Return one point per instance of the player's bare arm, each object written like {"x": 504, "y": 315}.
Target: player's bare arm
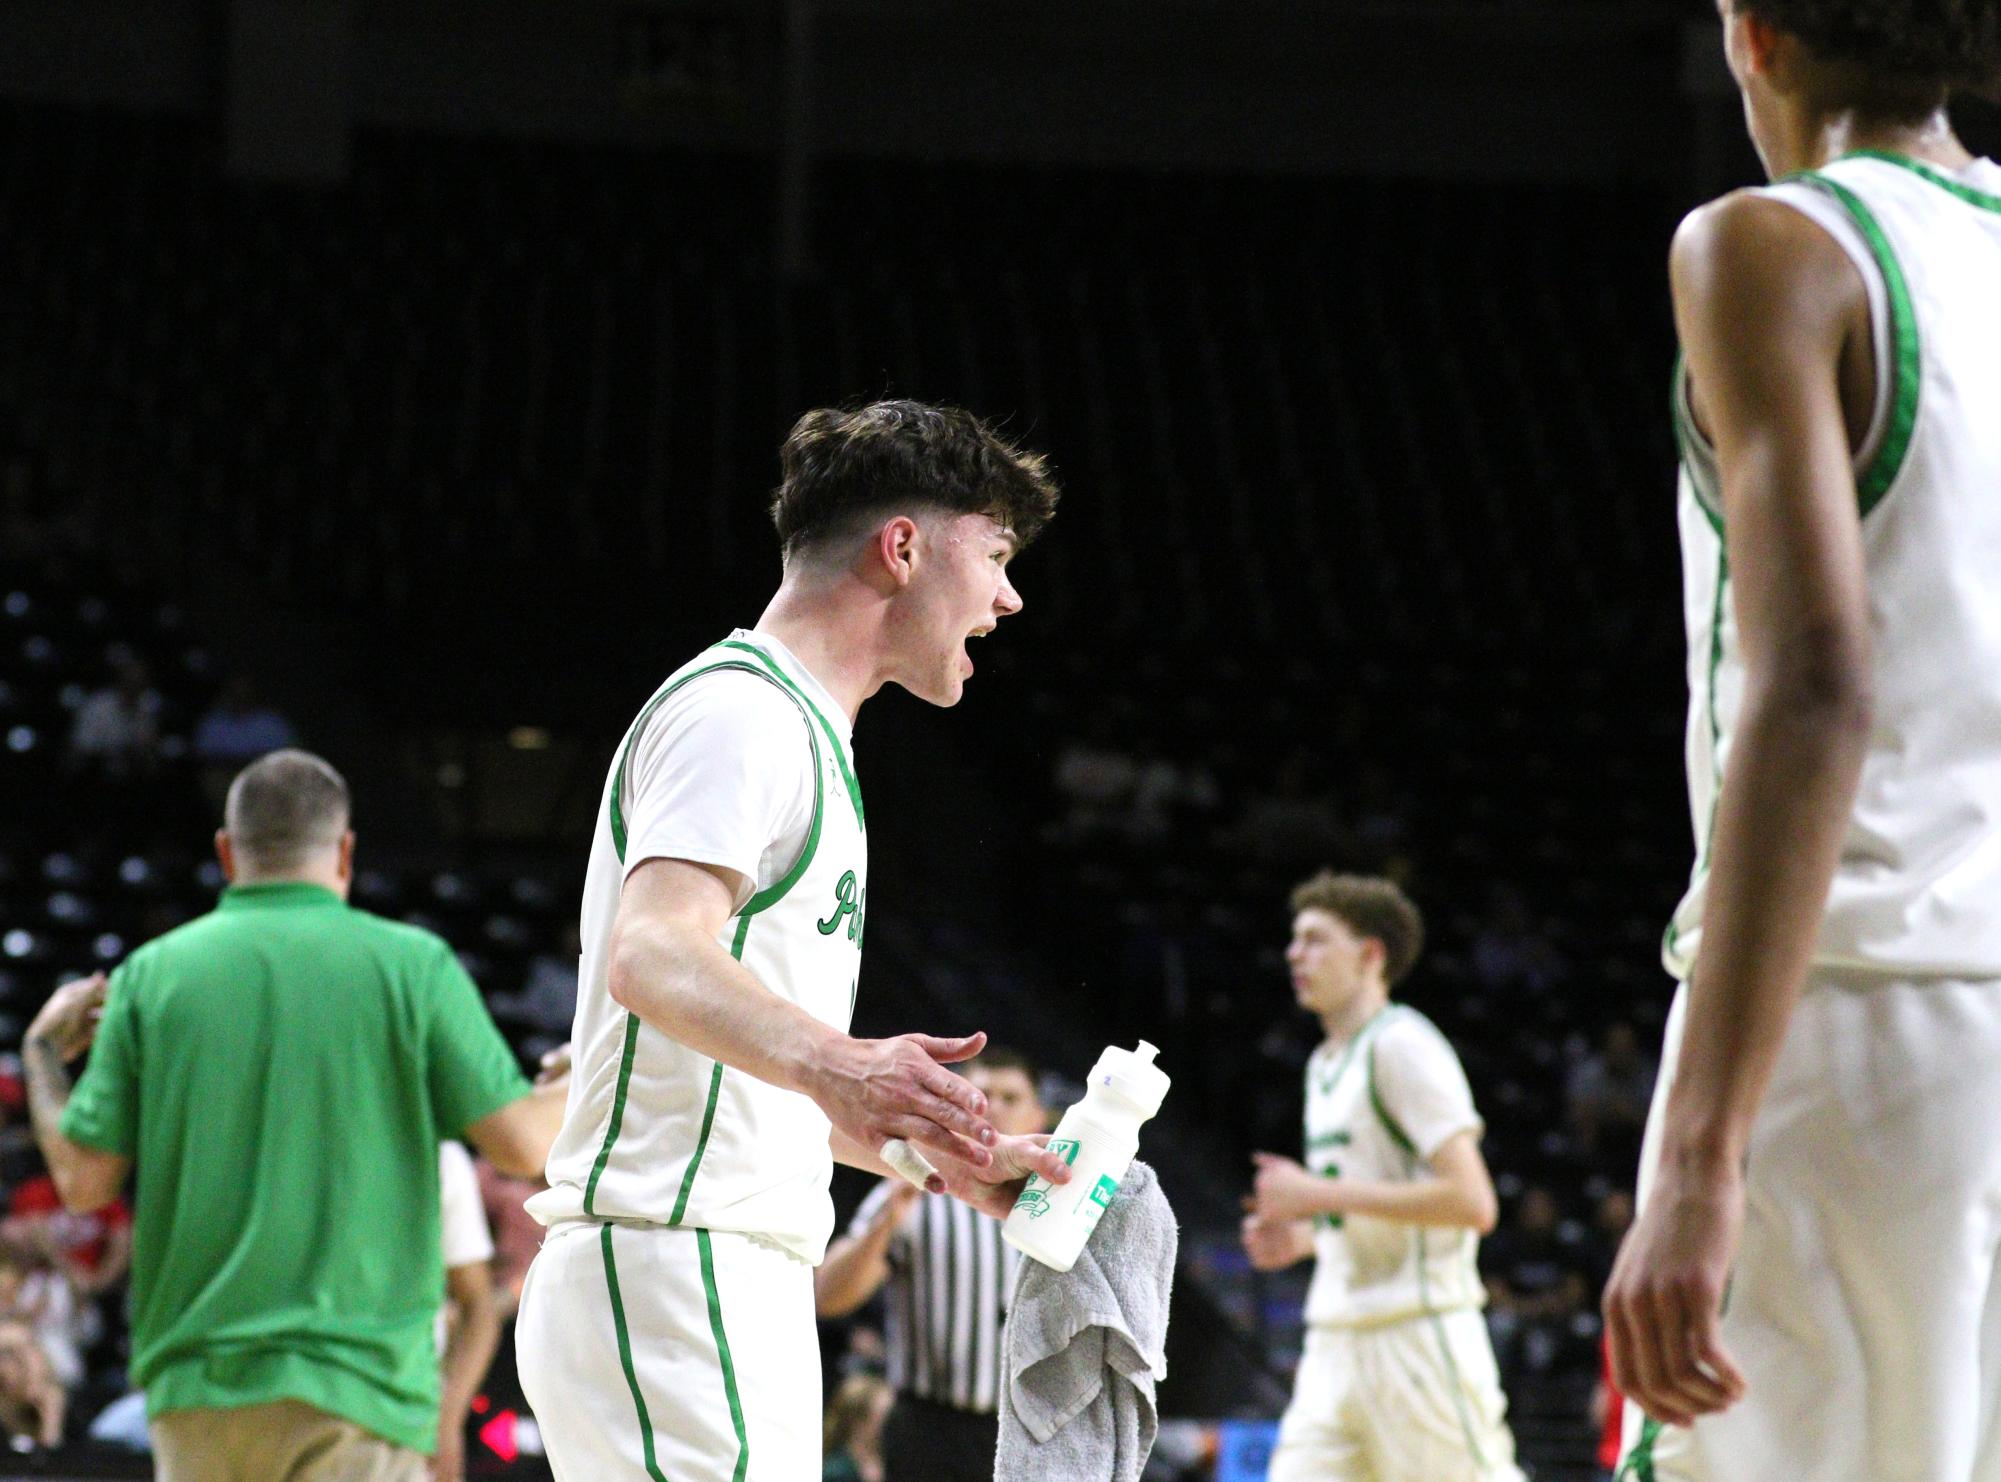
{"x": 86, "y": 1178}
{"x": 516, "y": 1138}
{"x": 1273, "y": 1244}
{"x": 667, "y": 967}
{"x": 857, "y": 1265}
{"x": 1458, "y": 1192}
{"x": 1766, "y": 305}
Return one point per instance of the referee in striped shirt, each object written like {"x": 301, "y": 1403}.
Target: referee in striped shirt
{"x": 947, "y": 1280}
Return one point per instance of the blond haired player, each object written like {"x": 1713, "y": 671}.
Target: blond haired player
{"x": 666, "y": 1327}
{"x": 1397, "y": 1382}
{"x": 1822, "y": 1145}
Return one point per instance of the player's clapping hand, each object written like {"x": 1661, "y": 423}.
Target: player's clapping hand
{"x": 1663, "y": 1305}
{"x": 68, "y": 1021}
{"x": 1283, "y": 1190}
{"x": 1274, "y": 1244}
{"x": 875, "y": 1090}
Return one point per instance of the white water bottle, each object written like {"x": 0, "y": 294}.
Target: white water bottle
{"x": 1097, "y": 1137}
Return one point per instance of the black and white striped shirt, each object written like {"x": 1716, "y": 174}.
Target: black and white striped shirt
{"x": 950, "y": 1281}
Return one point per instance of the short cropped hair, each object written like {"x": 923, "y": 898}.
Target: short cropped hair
{"x": 1940, "y": 46}
{"x": 1370, "y": 906}
{"x": 1000, "y": 1057}
{"x": 839, "y": 467}
{"x": 284, "y": 808}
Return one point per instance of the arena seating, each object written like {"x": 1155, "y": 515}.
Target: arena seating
{"x": 1367, "y": 554}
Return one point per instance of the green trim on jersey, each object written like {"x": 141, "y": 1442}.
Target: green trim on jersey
{"x": 762, "y": 901}
{"x": 617, "y": 1111}
{"x": 625, "y": 1356}
{"x": 1639, "y": 1463}
{"x": 616, "y": 809}
{"x": 723, "y": 1353}
{"x": 1347, "y": 1054}
{"x": 1403, "y": 1140}
{"x": 1687, "y": 439}
{"x": 1671, "y": 942}
{"x": 1431, "y": 1314}
{"x": 1907, "y": 359}
{"x": 840, "y": 751}
{"x": 1445, "y": 1347}
{"x": 1970, "y": 194}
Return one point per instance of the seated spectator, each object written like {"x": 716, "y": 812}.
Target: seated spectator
{"x": 234, "y": 732}
{"x": 1511, "y": 950}
{"x": 1609, "y": 1090}
{"x": 1532, "y": 1269}
{"x": 117, "y": 729}
{"x": 33, "y": 1292}
{"x": 93, "y": 1250}
{"x": 1095, "y": 778}
{"x": 547, "y": 1000}
{"x": 851, "y": 1435}
{"x": 1295, "y": 820}
{"x": 32, "y": 1403}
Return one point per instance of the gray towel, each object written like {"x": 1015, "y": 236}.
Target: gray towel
{"x": 1084, "y": 1348}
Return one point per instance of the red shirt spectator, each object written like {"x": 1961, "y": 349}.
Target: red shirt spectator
{"x": 95, "y": 1249}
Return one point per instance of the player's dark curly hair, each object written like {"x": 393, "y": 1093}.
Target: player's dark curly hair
{"x": 839, "y": 466}
{"x": 1944, "y": 46}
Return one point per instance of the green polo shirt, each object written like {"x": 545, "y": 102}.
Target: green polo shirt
{"x": 281, "y": 1071}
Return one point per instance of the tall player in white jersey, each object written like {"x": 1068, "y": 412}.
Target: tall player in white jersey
{"x": 1397, "y": 1382}
{"x": 666, "y": 1327}
{"x": 1811, "y": 1290}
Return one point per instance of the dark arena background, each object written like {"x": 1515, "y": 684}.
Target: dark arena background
{"x": 415, "y": 371}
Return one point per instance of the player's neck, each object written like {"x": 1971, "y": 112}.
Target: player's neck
{"x": 1346, "y": 1022}
{"x": 1819, "y": 136}
{"x": 833, "y": 632}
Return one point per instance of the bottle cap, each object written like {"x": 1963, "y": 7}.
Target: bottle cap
{"x": 1132, "y": 1076}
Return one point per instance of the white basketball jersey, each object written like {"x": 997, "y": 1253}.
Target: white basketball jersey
{"x": 655, "y": 1132}
{"x": 1367, "y": 1123}
{"x": 1918, "y": 889}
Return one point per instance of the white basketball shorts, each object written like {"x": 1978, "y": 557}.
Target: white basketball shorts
{"x": 652, "y": 1354}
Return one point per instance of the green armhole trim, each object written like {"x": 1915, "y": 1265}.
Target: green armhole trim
{"x": 616, "y": 809}
{"x": 1715, "y": 734}
{"x": 1395, "y": 1129}
{"x": 625, "y": 1357}
{"x": 1943, "y": 181}
{"x": 762, "y": 901}
{"x": 840, "y": 752}
{"x": 1906, "y": 358}
{"x": 723, "y": 1352}
{"x": 1687, "y": 439}
{"x": 1639, "y": 1463}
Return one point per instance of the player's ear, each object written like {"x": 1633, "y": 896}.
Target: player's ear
{"x": 1762, "y": 44}
{"x": 896, "y": 549}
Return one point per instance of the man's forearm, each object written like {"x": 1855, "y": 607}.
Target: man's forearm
{"x": 49, "y": 1088}
{"x": 1780, "y": 824}
{"x": 855, "y": 1267}
{"x": 686, "y": 986}
{"x": 1431, "y": 1201}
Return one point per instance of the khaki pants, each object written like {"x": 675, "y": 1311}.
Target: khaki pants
{"x": 284, "y": 1441}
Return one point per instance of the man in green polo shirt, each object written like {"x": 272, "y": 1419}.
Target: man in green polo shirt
{"x": 282, "y": 1071}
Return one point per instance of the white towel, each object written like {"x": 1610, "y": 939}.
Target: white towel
{"x": 1084, "y": 1349}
